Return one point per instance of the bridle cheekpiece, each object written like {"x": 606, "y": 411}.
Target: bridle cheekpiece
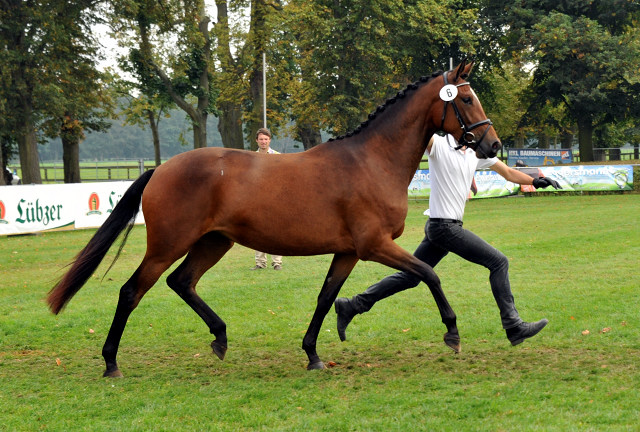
{"x": 448, "y": 94}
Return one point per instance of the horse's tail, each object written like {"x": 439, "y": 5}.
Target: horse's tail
{"x": 123, "y": 216}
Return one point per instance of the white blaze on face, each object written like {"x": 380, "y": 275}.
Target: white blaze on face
{"x": 474, "y": 94}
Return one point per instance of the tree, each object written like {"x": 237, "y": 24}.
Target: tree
{"x": 506, "y": 108}
{"x": 229, "y": 81}
{"x": 54, "y": 84}
{"x": 6, "y": 150}
{"x": 256, "y": 45}
{"x": 7, "y": 139}
{"x": 583, "y": 52}
{"x": 85, "y": 107}
{"x": 23, "y": 46}
{"x": 588, "y": 70}
{"x": 146, "y": 111}
{"x": 354, "y": 54}
{"x": 182, "y": 65}
{"x": 145, "y": 98}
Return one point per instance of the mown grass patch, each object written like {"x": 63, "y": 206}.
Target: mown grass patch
{"x": 573, "y": 260}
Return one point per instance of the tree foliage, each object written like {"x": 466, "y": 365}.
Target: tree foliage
{"x": 51, "y": 84}
{"x": 585, "y": 56}
{"x": 542, "y": 66}
{"x": 351, "y": 55}
{"x": 170, "y": 54}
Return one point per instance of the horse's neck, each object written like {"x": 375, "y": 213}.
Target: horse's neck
{"x": 403, "y": 134}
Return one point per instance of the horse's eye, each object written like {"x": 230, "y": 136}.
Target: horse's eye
{"x": 467, "y": 100}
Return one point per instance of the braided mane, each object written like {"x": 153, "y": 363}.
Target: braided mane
{"x": 401, "y": 94}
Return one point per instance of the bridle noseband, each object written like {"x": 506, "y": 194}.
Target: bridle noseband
{"x": 468, "y": 138}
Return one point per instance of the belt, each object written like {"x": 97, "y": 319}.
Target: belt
{"x": 445, "y": 220}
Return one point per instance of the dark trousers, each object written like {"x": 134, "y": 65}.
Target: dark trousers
{"x": 441, "y": 237}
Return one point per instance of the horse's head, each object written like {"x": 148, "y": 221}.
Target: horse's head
{"x": 463, "y": 116}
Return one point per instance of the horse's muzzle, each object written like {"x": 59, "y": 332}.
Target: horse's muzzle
{"x": 486, "y": 150}
{"x": 495, "y": 148}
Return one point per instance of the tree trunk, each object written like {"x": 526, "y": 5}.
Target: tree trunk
{"x": 543, "y": 140}
{"x": 566, "y": 139}
{"x": 199, "y": 124}
{"x": 519, "y": 140}
{"x": 71, "y": 158}
{"x": 258, "y": 36}
{"x": 230, "y": 125}
{"x": 200, "y": 129}
{"x": 585, "y": 138}
{"x": 28, "y": 145}
{"x": 309, "y": 136}
{"x": 198, "y": 113}
{"x": 230, "y": 108}
{"x": 153, "y": 124}
{"x": 3, "y": 166}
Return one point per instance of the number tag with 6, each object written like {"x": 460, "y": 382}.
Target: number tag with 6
{"x": 448, "y": 92}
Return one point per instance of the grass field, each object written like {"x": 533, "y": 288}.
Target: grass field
{"x": 574, "y": 260}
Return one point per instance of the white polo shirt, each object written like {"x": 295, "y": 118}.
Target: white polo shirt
{"x": 451, "y": 172}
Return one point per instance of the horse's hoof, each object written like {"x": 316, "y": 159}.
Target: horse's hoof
{"x": 218, "y": 349}
{"x": 316, "y": 366}
{"x": 452, "y": 341}
{"x": 112, "y": 374}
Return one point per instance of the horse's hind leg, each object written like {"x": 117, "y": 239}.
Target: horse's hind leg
{"x": 130, "y": 295}
{"x": 394, "y": 256}
{"x": 205, "y": 253}
{"x": 339, "y": 271}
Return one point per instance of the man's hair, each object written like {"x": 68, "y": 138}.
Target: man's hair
{"x": 263, "y": 131}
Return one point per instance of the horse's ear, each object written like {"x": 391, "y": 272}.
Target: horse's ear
{"x": 467, "y": 70}
{"x": 464, "y": 69}
{"x": 460, "y": 69}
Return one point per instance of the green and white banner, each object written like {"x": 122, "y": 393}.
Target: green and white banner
{"x": 571, "y": 178}
{"x": 591, "y": 177}
{"x": 32, "y": 208}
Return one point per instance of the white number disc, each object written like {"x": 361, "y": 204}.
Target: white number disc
{"x": 448, "y": 92}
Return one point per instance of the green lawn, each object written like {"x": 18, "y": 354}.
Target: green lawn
{"x": 574, "y": 260}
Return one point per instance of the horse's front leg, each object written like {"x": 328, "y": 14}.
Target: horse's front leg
{"x": 339, "y": 271}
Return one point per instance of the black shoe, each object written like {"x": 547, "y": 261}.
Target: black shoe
{"x": 345, "y": 315}
{"x": 525, "y": 330}
{"x": 257, "y": 268}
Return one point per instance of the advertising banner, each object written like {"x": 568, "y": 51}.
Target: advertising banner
{"x": 571, "y": 178}
{"x": 32, "y": 208}
{"x": 420, "y": 185}
{"x": 538, "y": 157}
{"x": 491, "y": 184}
{"x": 97, "y": 200}
{"x": 488, "y": 184}
{"x": 592, "y": 177}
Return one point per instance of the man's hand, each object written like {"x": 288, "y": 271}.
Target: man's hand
{"x": 543, "y": 182}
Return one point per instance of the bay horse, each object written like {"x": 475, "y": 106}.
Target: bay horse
{"x": 349, "y": 199}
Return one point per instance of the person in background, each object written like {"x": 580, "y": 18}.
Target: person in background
{"x": 452, "y": 170}
{"x": 263, "y": 138}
